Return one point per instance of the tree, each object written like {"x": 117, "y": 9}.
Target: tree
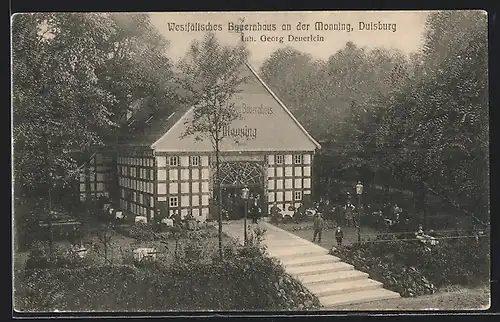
{"x": 320, "y": 93}
{"x": 74, "y": 76}
{"x": 212, "y": 76}
{"x": 53, "y": 74}
{"x": 440, "y": 121}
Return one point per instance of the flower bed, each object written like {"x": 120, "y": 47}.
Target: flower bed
{"x": 412, "y": 268}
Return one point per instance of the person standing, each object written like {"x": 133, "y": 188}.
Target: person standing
{"x": 318, "y": 227}
{"x": 349, "y": 211}
{"x": 255, "y": 213}
{"x": 339, "y": 236}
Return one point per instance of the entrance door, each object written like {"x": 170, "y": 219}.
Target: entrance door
{"x": 235, "y": 205}
{"x": 161, "y": 210}
{"x": 235, "y": 176}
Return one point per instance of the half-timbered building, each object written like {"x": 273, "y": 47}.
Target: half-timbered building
{"x": 160, "y": 171}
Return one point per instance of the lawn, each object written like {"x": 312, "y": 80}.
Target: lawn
{"x": 305, "y": 230}
{"x": 453, "y": 300}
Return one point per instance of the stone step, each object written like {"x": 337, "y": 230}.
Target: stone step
{"x": 286, "y": 243}
{"x": 284, "y": 254}
{"x": 320, "y": 268}
{"x": 310, "y": 260}
{"x": 330, "y": 301}
{"x": 326, "y": 289}
{"x": 334, "y": 277}
{"x": 292, "y": 248}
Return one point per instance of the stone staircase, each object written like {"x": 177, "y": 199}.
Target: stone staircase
{"x": 334, "y": 282}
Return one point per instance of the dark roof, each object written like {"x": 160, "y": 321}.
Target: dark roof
{"x": 146, "y": 126}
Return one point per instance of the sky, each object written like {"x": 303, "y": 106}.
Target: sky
{"x": 407, "y": 35}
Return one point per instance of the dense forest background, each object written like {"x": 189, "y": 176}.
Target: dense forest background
{"x": 417, "y": 122}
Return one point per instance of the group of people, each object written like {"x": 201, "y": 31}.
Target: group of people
{"x": 344, "y": 215}
{"x": 319, "y": 224}
{"x": 175, "y": 220}
{"x": 233, "y": 210}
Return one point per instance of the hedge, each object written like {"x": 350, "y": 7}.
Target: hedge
{"x": 412, "y": 268}
{"x": 239, "y": 283}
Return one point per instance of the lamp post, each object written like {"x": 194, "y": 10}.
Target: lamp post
{"x": 359, "y": 192}
{"x": 244, "y": 195}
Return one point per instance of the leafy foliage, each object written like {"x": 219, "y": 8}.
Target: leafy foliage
{"x": 75, "y": 76}
{"x": 142, "y": 232}
{"x": 41, "y": 258}
{"x": 185, "y": 285}
{"x": 417, "y": 122}
{"x": 412, "y": 269}
{"x": 211, "y": 74}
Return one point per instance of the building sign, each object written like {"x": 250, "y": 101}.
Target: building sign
{"x": 249, "y": 109}
{"x": 240, "y": 132}
{"x": 242, "y": 109}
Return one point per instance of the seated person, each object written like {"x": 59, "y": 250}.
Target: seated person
{"x": 168, "y": 222}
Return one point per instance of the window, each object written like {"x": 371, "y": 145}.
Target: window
{"x": 279, "y": 159}
{"x": 173, "y": 202}
{"x": 173, "y": 161}
{"x": 194, "y": 161}
{"x": 297, "y": 195}
{"x": 297, "y": 159}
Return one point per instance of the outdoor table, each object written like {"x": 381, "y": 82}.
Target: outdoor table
{"x": 140, "y": 253}
{"x": 141, "y": 219}
{"x": 119, "y": 215}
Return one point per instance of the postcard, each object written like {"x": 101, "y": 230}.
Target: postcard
{"x": 250, "y": 161}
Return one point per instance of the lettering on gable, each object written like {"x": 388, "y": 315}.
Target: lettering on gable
{"x": 244, "y": 131}
{"x": 248, "y": 109}
{"x": 239, "y": 132}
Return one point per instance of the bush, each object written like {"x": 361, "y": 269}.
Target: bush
{"x": 262, "y": 284}
{"x": 203, "y": 233}
{"x": 196, "y": 246}
{"x": 40, "y": 257}
{"x": 412, "y": 268}
{"x": 142, "y": 232}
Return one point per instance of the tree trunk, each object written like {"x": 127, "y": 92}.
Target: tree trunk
{"x": 421, "y": 202}
{"x": 219, "y": 194}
